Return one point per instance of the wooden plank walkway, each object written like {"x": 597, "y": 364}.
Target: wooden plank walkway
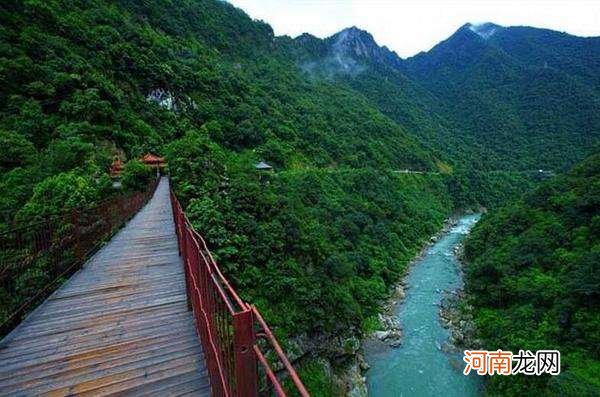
{"x": 119, "y": 326}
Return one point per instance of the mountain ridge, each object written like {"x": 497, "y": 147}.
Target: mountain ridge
{"x": 497, "y": 90}
{"x": 318, "y": 242}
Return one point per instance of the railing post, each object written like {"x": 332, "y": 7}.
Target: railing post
{"x": 245, "y": 360}
{"x": 177, "y": 218}
{"x": 76, "y": 234}
{"x": 190, "y": 261}
{"x": 182, "y": 237}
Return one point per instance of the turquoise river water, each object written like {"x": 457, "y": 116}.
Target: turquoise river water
{"x": 419, "y": 367}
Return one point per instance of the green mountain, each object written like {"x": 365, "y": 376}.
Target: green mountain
{"x": 316, "y": 244}
{"x": 134, "y": 77}
{"x": 534, "y": 279}
{"x": 514, "y": 98}
{"x": 353, "y": 59}
{"x": 530, "y": 95}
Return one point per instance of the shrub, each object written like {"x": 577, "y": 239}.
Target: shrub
{"x": 136, "y": 176}
{"x": 58, "y": 193}
{"x": 17, "y": 150}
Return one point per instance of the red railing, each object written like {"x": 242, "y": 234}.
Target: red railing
{"x": 34, "y": 258}
{"x": 239, "y": 347}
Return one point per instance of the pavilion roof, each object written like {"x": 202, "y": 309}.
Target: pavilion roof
{"x": 150, "y": 158}
{"x": 263, "y": 166}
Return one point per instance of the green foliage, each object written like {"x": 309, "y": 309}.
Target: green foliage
{"x": 317, "y": 243}
{"x": 198, "y": 165}
{"x": 27, "y": 284}
{"x": 317, "y": 249}
{"x": 66, "y": 154}
{"x": 76, "y": 77}
{"x": 316, "y": 378}
{"x": 59, "y": 193}
{"x": 17, "y": 187}
{"x": 18, "y": 151}
{"x": 471, "y": 188}
{"x": 525, "y": 98}
{"x": 371, "y": 324}
{"x": 522, "y": 99}
{"x": 533, "y": 275}
{"x": 136, "y": 176}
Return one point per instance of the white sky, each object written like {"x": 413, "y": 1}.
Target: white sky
{"x": 410, "y": 26}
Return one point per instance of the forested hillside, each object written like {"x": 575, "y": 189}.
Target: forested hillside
{"x": 534, "y": 278}
{"x": 317, "y": 243}
{"x": 493, "y": 97}
{"x": 84, "y": 79}
{"x": 529, "y": 95}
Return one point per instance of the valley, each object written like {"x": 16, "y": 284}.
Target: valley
{"x": 370, "y": 153}
{"x": 435, "y": 365}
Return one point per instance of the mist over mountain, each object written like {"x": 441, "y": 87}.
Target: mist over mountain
{"x": 517, "y": 97}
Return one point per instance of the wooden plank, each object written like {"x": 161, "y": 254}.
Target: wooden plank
{"x": 55, "y": 326}
{"x": 26, "y": 355}
{"x": 100, "y": 329}
{"x": 171, "y": 387}
{"x": 41, "y": 369}
{"x": 70, "y": 310}
{"x": 71, "y": 373}
{"x": 114, "y": 316}
{"x": 123, "y": 381}
{"x": 119, "y": 326}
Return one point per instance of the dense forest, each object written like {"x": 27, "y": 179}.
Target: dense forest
{"x": 534, "y": 279}
{"x": 497, "y": 98}
{"x": 315, "y": 244}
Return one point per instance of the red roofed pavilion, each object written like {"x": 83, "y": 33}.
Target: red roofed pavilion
{"x": 153, "y": 160}
{"x": 116, "y": 167}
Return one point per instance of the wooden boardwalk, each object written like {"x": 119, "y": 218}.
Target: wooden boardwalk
{"x": 119, "y": 326}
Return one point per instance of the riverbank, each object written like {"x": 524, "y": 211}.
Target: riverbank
{"x": 344, "y": 357}
{"x": 400, "y": 358}
{"x": 348, "y": 355}
{"x": 391, "y": 328}
{"x": 353, "y": 377}
{"x": 338, "y": 357}
{"x": 456, "y": 314}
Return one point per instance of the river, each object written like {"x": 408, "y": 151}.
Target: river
{"x": 419, "y": 367}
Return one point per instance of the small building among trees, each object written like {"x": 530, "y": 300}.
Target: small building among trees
{"x": 263, "y": 166}
{"x": 116, "y": 167}
{"x": 154, "y": 161}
